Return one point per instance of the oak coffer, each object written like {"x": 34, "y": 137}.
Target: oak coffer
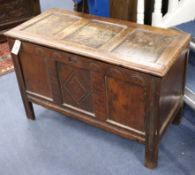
{"x": 119, "y": 76}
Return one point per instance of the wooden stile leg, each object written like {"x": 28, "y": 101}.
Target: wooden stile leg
{"x": 178, "y": 117}
{"x": 27, "y": 104}
{"x": 152, "y": 131}
{"x": 151, "y": 145}
{"x": 29, "y": 110}
{"x": 151, "y": 155}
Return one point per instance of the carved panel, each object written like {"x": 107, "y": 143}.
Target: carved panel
{"x": 94, "y": 34}
{"x": 75, "y": 87}
{"x": 51, "y": 25}
{"x": 10, "y": 9}
{"x": 143, "y": 46}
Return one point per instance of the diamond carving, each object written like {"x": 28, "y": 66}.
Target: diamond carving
{"x": 75, "y": 85}
{"x": 75, "y": 88}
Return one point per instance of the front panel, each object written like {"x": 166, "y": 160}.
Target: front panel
{"x": 126, "y": 99}
{"x": 105, "y": 92}
{"x": 34, "y": 66}
{"x": 75, "y": 85}
{"x": 108, "y": 93}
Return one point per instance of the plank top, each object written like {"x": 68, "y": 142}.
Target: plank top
{"x": 140, "y": 47}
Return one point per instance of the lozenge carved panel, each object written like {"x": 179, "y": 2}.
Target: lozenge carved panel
{"x": 75, "y": 87}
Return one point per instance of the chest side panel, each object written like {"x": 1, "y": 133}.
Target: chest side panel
{"x": 172, "y": 93}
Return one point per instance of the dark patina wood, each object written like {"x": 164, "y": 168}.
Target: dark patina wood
{"x": 14, "y": 12}
{"x": 123, "y": 9}
{"x": 82, "y": 6}
{"x": 125, "y": 78}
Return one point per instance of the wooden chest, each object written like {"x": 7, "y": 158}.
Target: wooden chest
{"x": 119, "y": 76}
{"x": 14, "y": 12}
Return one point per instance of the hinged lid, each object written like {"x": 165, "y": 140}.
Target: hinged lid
{"x": 139, "y": 47}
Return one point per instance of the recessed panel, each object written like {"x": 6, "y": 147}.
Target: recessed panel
{"x": 126, "y": 103}
{"x": 51, "y": 25}
{"x": 143, "y": 46}
{"x": 95, "y": 34}
{"x": 33, "y": 61}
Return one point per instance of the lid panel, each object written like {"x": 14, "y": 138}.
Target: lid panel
{"x": 122, "y": 43}
{"x": 94, "y": 34}
{"x": 142, "y": 45}
{"x": 51, "y": 24}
